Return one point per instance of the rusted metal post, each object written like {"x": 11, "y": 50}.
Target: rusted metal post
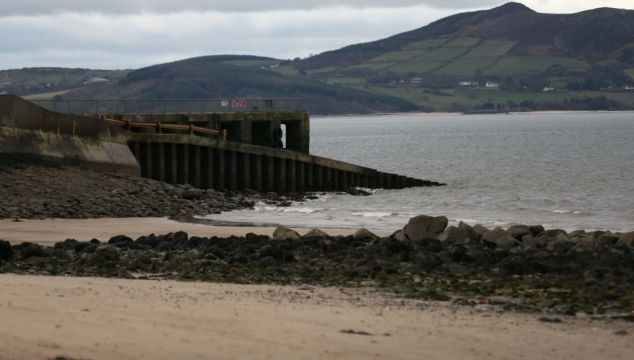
{"x": 184, "y": 164}
{"x": 232, "y": 170}
{"x": 161, "y": 161}
{"x": 270, "y": 173}
{"x": 196, "y": 163}
{"x": 173, "y": 175}
{"x": 257, "y": 174}
{"x": 336, "y": 179}
{"x": 219, "y": 169}
{"x": 327, "y": 176}
{"x": 148, "y": 160}
{"x": 301, "y": 176}
{"x": 245, "y": 173}
{"x": 209, "y": 168}
{"x": 291, "y": 176}
{"x": 280, "y": 175}
{"x": 318, "y": 172}
{"x": 372, "y": 182}
{"x": 310, "y": 176}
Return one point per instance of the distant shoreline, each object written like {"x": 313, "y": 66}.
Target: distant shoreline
{"x": 442, "y": 113}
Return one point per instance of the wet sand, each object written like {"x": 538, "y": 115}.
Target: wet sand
{"x": 88, "y": 318}
{"x": 44, "y": 317}
{"x": 50, "y": 231}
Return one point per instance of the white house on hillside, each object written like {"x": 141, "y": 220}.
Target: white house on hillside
{"x": 468, "y": 83}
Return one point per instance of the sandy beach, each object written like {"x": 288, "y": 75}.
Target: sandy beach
{"x": 89, "y": 318}
{"x": 50, "y": 231}
{"x": 65, "y": 317}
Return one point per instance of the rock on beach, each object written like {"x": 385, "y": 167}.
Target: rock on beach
{"x": 425, "y": 227}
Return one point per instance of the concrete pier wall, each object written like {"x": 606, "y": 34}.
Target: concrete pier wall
{"x": 218, "y": 164}
{"x": 204, "y": 162}
{"x": 256, "y": 128}
{"x": 28, "y": 131}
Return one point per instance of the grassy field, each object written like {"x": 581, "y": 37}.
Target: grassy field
{"x": 46, "y": 96}
{"x": 465, "y": 67}
{"x": 415, "y": 67}
{"x": 490, "y": 49}
{"x": 560, "y": 82}
{"x": 462, "y": 56}
{"x": 38, "y": 76}
{"x": 428, "y": 44}
{"x": 393, "y": 56}
{"x": 441, "y": 55}
{"x": 468, "y": 58}
{"x": 532, "y": 64}
{"x": 496, "y": 96}
{"x": 286, "y": 70}
{"x": 465, "y": 99}
{"x": 30, "y": 81}
{"x": 626, "y": 97}
{"x": 407, "y": 92}
{"x": 371, "y": 66}
{"x": 325, "y": 70}
{"x": 347, "y": 81}
{"x": 252, "y": 63}
{"x": 463, "y": 42}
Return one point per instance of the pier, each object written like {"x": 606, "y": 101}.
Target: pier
{"x": 259, "y": 145}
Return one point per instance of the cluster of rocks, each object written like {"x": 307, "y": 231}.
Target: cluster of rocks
{"x": 46, "y": 191}
{"x": 523, "y": 267}
{"x": 516, "y": 238}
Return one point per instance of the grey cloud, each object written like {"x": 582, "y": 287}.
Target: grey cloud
{"x": 39, "y": 7}
{"x": 132, "y": 41}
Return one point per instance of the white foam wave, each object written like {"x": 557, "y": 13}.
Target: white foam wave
{"x": 373, "y": 214}
{"x": 562, "y": 211}
{"x": 261, "y": 207}
{"x": 302, "y": 210}
{"x": 368, "y": 190}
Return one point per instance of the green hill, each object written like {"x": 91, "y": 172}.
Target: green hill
{"x": 530, "y": 60}
{"x": 239, "y": 77}
{"x": 506, "y": 58}
{"x": 50, "y": 81}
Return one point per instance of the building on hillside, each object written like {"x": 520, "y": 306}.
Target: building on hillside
{"x": 492, "y": 85}
{"x": 95, "y": 79}
{"x": 468, "y": 83}
{"x": 416, "y": 80}
{"x": 629, "y": 87}
{"x": 548, "y": 89}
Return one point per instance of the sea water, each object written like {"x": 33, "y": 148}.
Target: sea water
{"x": 561, "y": 170}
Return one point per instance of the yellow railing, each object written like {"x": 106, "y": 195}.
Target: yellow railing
{"x": 159, "y": 127}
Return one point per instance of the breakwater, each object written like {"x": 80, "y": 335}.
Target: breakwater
{"x": 237, "y": 161}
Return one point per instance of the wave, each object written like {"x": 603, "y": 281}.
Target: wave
{"x": 563, "y": 211}
{"x": 302, "y": 210}
{"x": 262, "y": 207}
{"x": 373, "y": 214}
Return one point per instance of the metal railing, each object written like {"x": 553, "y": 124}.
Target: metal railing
{"x": 159, "y": 127}
{"x": 170, "y": 106}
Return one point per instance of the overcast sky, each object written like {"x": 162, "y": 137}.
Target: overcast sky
{"x": 111, "y": 34}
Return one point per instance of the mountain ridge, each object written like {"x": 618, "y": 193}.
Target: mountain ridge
{"x": 532, "y": 60}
